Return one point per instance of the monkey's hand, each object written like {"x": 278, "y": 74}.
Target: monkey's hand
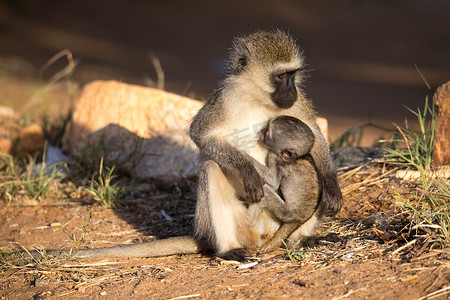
{"x": 331, "y": 202}
{"x": 253, "y": 184}
{"x": 269, "y": 175}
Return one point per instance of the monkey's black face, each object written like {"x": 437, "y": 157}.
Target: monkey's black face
{"x": 285, "y": 93}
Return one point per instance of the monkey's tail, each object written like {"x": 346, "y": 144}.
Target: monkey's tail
{"x": 164, "y": 247}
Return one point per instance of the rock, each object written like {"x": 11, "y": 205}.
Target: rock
{"x": 8, "y": 129}
{"x": 8, "y": 112}
{"x": 31, "y": 140}
{"x": 441, "y": 152}
{"x": 142, "y": 131}
{"x": 6, "y": 146}
{"x": 355, "y": 156}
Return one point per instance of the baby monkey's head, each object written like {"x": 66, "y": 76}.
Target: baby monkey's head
{"x": 288, "y": 137}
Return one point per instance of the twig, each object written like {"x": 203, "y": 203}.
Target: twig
{"x": 351, "y": 292}
{"x": 249, "y": 265}
{"x": 187, "y": 296}
{"x": 437, "y": 293}
{"x": 434, "y": 282}
{"x": 404, "y": 246}
{"x": 159, "y": 71}
{"x": 165, "y": 215}
{"x": 423, "y": 77}
{"x": 426, "y": 255}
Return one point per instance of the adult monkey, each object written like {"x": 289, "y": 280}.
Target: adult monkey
{"x": 262, "y": 81}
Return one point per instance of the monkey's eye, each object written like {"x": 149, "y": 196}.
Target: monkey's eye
{"x": 243, "y": 61}
{"x": 280, "y": 77}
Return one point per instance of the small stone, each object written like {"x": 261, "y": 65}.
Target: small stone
{"x": 299, "y": 282}
{"x": 31, "y": 140}
{"x": 6, "y": 146}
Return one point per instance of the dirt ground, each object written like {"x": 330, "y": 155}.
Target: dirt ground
{"x": 376, "y": 255}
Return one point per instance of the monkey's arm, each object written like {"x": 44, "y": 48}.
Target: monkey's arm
{"x": 269, "y": 173}
{"x": 228, "y": 157}
{"x": 331, "y": 201}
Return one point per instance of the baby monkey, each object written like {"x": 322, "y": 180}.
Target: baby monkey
{"x": 292, "y": 172}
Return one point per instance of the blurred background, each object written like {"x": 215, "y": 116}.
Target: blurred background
{"x": 362, "y": 56}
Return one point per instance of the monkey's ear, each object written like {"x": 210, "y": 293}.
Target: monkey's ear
{"x": 288, "y": 155}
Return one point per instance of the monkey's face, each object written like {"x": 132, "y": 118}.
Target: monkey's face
{"x": 276, "y": 85}
{"x": 267, "y": 138}
{"x": 266, "y": 65}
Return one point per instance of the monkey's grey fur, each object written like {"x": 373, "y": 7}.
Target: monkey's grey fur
{"x": 262, "y": 81}
{"x": 291, "y": 170}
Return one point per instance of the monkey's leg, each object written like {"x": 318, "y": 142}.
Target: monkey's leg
{"x": 280, "y": 235}
{"x": 297, "y": 208}
{"x": 306, "y": 230}
{"x": 293, "y": 233}
{"x": 221, "y": 223}
{"x": 255, "y": 209}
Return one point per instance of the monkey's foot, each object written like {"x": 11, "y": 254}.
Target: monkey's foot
{"x": 270, "y": 246}
{"x": 238, "y": 254}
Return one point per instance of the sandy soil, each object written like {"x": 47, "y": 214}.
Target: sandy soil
{"x": 369, "y": 259}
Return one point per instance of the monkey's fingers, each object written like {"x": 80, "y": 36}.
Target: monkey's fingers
{"x": 253, "y": 184}
{"x": 331, "y": 197}
{"x": 254, "y": 193}
{"x": 332, "y": 203}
